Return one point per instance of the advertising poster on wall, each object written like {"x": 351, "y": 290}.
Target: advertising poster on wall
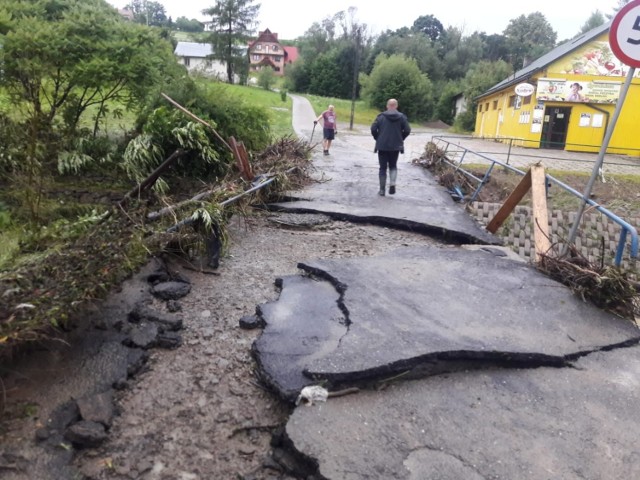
{"x": 563, "y": 90}
{"x": 594, "y": 58}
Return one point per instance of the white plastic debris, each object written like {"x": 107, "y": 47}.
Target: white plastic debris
{"x": 23, "y": 306}
{"x": 314, "y": 393}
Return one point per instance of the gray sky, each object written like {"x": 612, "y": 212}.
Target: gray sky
{"x": 291, "y": 18}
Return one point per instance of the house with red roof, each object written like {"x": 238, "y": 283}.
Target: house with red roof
{"x": 267, "y": 51}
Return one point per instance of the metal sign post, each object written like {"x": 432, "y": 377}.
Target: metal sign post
{"x": 624, "y": 39}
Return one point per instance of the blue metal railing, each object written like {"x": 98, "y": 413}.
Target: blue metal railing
{"x": 632, "y": 153}
{"x": 626, "y": 228}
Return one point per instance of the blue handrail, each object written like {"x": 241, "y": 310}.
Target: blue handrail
{"x": 626, "y": 228}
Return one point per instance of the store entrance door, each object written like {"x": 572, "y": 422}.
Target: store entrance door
{"x": 555, "y": 127}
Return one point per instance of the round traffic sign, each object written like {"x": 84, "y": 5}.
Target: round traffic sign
{"x": 624, "y": 35}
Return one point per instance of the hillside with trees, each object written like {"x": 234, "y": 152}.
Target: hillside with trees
{"x": 441, "y": 62}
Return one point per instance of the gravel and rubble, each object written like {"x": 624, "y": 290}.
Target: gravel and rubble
{"x": 199, "y": 411}
{"x": 196, "y": 408}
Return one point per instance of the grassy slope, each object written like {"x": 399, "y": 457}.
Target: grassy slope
{"x": 363, "y": 115}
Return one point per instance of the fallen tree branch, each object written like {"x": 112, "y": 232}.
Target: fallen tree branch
{"x": 197, "y": 119}
{"x": 189, "y": 221}
{"x": 153, "y": 177}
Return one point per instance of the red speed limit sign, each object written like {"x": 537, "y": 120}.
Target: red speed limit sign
{"x": 624, "y": 35}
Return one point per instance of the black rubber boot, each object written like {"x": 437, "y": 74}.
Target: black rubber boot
{"x": 393, "y": 174}
{"x": 383, "y": 183}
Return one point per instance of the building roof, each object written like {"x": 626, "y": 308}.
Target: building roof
{"x": 193, "y": 49}
{"x": 264, "y": 37}
{"x": 547, "y": 59}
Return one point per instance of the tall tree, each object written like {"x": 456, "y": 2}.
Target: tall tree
{"x": 185, "y": 25}
{"x": 528, "y": 38}
{"x": 411, "y": 44}
{"x": 61, "y": 59}
{"x": 233, "y": 24}
{"x": 331, "y": 53}
{"x": 595, "y": 20}
{"x": 430, "y": 26}
{"x": 148, "y": 13}
{"x": 479, "y": 78}
{"x": 458, "y": 52}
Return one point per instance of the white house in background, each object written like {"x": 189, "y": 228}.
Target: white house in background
{"x": 460, "y": 105}
{"x": 194, "y": 56}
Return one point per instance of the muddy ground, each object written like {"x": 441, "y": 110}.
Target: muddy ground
{"x": 199, "y": 411}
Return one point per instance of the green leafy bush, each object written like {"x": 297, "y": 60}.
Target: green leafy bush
{"x": 162, "y": 129}
{"x": 398, "y": 77}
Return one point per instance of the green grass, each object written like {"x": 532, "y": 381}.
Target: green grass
{"x": 199, "y": 37}
{"x": 363, "y": 115}
{"x": 279, "y": 111}
{"x": 9, "y": 240}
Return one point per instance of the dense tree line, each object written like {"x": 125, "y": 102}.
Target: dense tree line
{"x": 441, "y": 62}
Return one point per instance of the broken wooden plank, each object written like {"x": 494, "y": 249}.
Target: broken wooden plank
{"x": 539, "y": 211}
{"x": 510, "y": 203}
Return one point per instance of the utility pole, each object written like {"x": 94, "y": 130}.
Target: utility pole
{"x": 356, "y": 69}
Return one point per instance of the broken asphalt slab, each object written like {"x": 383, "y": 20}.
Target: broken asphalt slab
{"x": 423, "y": 311}
{"x": 347, "y": 190}
{"x": 546, "y": 423}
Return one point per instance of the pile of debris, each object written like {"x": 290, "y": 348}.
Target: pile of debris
{"x": 608, "y": 287}
{"x": 436, "y": 160}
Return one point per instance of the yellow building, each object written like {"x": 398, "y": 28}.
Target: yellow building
{"x": 565, "y": 100}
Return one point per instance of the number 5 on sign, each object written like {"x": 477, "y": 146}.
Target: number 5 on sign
{"x": 624, "y": 39}
{"x": 624, "y": 35}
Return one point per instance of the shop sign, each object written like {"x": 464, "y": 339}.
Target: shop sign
{"x": 581, "y": 91}
{"x": 525, "y": 89}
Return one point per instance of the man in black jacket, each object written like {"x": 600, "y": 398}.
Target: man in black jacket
{"x": 389, "y": 129}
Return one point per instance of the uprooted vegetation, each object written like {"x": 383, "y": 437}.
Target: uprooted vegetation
{"x": 612, "y": 288}
{"x": 63, "y": 262}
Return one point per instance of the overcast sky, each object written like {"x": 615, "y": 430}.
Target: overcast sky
{"x": 291, "y": 18}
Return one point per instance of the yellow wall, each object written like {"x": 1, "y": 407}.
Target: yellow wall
{"x": 593, "y": 61}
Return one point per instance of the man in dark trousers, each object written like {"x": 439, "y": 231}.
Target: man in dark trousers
{"x": 389, "y": 129}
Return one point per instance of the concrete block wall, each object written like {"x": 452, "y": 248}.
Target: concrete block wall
{"x": 517, "y": 233}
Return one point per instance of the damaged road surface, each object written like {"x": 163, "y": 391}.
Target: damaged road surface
{"x": 470, "y": 365}
{"x": 483, "y": 323}
{"x": 545, "y": 423}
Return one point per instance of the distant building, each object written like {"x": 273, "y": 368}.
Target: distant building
{"x": 565, "y": 100}
{"x": 267, "y": 52}
{"x": 126, "y": 14}
{"x": 460, "y": 105}
{"x": 196, "y": 57}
